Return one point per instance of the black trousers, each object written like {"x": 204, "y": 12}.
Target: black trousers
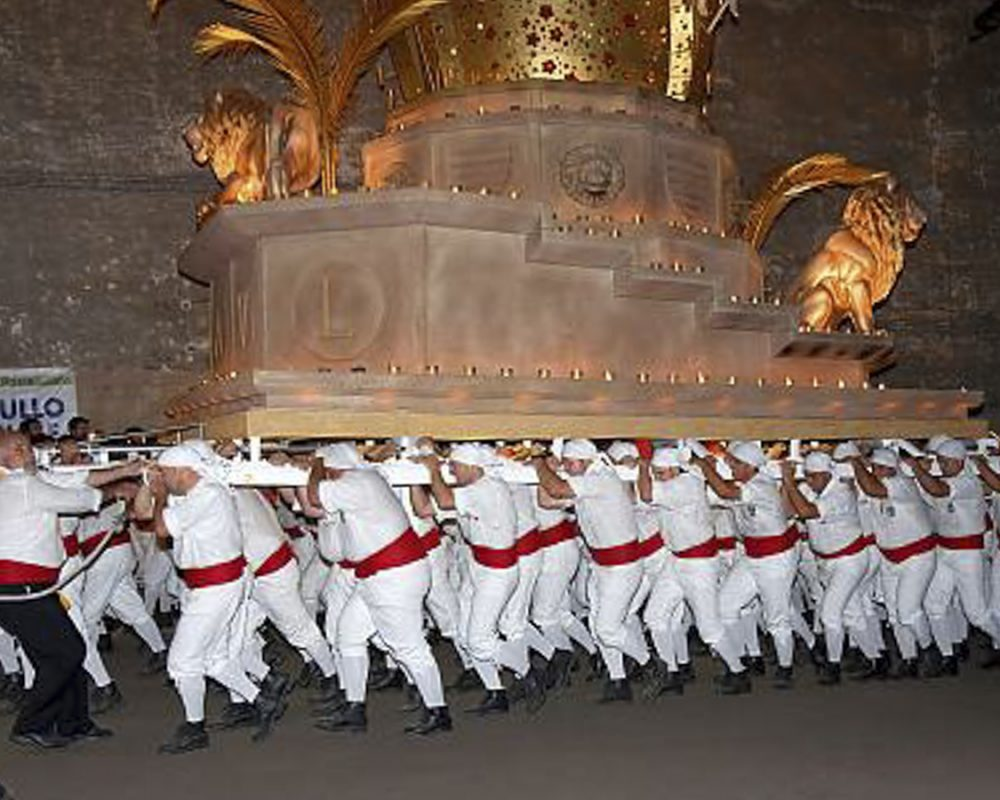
{"x": 57, "y": 702}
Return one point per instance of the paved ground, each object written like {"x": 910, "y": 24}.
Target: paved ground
{"x": 915, "y": 740}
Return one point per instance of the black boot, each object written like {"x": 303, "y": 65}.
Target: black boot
{"x": 235, "y": 715}
{"x": 962, "y": 650}
{"x": 992, "y": 661}
{"x": 494, "y": 702}
{"x": 276, "y": 685}
{"x": 617, "y": 691}
{"x": 390, "y": 679}
{"x": 877, "y": 670}
{"x": 559, "y": 669}
{"x": 597, "y": 667}
{"x": 755, "y": 664}
{"x": 351, "y": 718}
{"x": 329, "y": 692}
{"x": 735, "y": 682}
{"x": 906, "y": 669}
{"x": 309, "y": 675}
{"x": 156, "y": 664}
{"x": 783, "y": 678}
{"x": 270, "y": 706}
{"x": 829, "y": 674}
{"x": 189, "y": 736}
{"x": 466, "y": 681}
{"x": 433, "y": 720}
{"x": 930, "y": 663}
{"x": 89, "y": 731}
{"x": 413, "y": 701}
{"x": 949, "y": 666}
{"x": 686, "y": 671}
{"x": 105, "y": 698}
{"x": 534, "y": 691}
{"x": 665, "y": 683}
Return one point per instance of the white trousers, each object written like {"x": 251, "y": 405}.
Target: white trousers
{"x": 551, "y": 606}
{"x": 770, "y": 579}
{"x": 961, "y": 573}
{"x": 664, "y": 609}
{"x": 610, "y": 594}
{"x": 390, "y": 604}
{"x": 160, "y": 584}
{"x": 840, "y": 608}
{"x": 442, "y": 599}
{"x": 699, "y": 581}
{"x": 314, "y": 576}
{"x": 73, "y": 593}
{"x": 515, "y": 624}
{"x": 209, "y": 642}
{"x": 486, "y": 594}
{"x": 904, "y": 587}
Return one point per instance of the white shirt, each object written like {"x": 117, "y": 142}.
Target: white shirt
{"x": 524, "y": 505}
{"x": 901, "y": 518}
{"x": 262, "y": 533}
{"x": 94, "y": 526}
{"x": 487, "y": 513}
{"x": 204, "y": 526}
{"x": 839, "y": 523}
{"x": 604, "y": 508}
{"x": 373, "y": 515}
{"x": 963, "y": 511}
{"x": 421, "y": 525}
{"x": 29, "y": 509}
{"x": 760, "y": 510}
{"x": 685, "y": 516}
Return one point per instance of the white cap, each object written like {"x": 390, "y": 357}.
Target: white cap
{"x": 884, "y": 457}
{"x": 340, "y": 455}
{"x": 818, "y": 461}
{"x": 473, "y": 454}
{"x": 846, "y": 450}
{"x": 952, "y": 448}
{"x": 986, "y": 444}
{"x": 667, "y": 457}
{"x": 749, "y": 453}
{"x": 935, "y": 442}
{"x": 582, "y": 449}
{"x": 188, "y": 456}
{"x": 620, "y": 450}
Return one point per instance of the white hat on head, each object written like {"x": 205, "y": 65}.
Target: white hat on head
{"x": 935, "y": 442}
{"x": 473, "y": 454}
{"x": 620, "y": 450}
{"x": 667, "y": 458}
{"x": 846, "y": 450}
{"x": 952, "y": 448}
{"x": 189, "y": 456}
{"x": 884, "y": 457}
{"x": 582, "y": 449}
{"x": 340, "y": 455}
{"x": 749, "y": 453}
{"x": 986, "y": 444}
{"x": 818, "y": 461}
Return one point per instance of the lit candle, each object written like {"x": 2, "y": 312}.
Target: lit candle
{"x": 576, "y": 374}
{"x": 609, "y": 375}
{"x": 642, "y": 377}
{"x": 544, "y": 372}
{"x": 470, "y": 371}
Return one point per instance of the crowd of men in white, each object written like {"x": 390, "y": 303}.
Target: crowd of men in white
{"x": 887, "y": 557}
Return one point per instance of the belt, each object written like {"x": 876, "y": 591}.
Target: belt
{"x": 431, "y": 539}
{"x": 857, "y": 546}
{"x": 493, "y": 557}
{"x": 19, "y": 572}
{"x": 897, "y": 555}
{"x": 529, "y": 543}
{"x": 563, "y": 532}
{"x": 278, "y": 559}
{"x": 215, "y": 575}
{"x": 976, "y": 541}
{"x": 764, "y": 546}
{"x": 651, "y": 545}
{"x": 726, "y": 542}
{"x": 616, "y": 556}
{"x": 404, "y": 549}
{"x": 707, "y": 549}
{"x": 89, "y": 545}
{"x": 71, "y": 545}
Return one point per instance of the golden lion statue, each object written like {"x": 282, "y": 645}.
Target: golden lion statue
{"x": 859, "y": 264}
{"x": 257, "y": 152}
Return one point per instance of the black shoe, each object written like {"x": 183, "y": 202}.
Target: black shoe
{"x": 330, "y": 708}
{"x": 494, "y": 702}
{"x": 41, "y": 741}
{"x": 433, "y": 720}
{"x": 413, "y": 701}
{"x": 735, "y": 683}
{"x": 783, "y": 678}
{"x": 962, "y": 650}
{"x": 829, "y": 674}
{"x": 104, "y": 644}
{"x": 188, "y": 736}
{"x": 391, "y": 679}
{"x": 269, "y": 707}
{"x": 854, "y": 662}
{"x": 466, "y": 681}
{"x": 992, "y": 661}
{"x": 329, "y": 692}
{"x": 534, "y": 691}
{"x": 877, "y": 670}
{"x": 617, "y": 691}
{"x": 559, "y": 669}
{"x": 597, "y": 667}
{"x": 91, "y": 730}
{"x": 352, "y": 718}
{"x": 930, "y": 663}
{"x": 949, "y": 666}
{"x": 906, "y": 669}
{"x": 155, "y": 664}
{"x": 309, "y": 675}
{"x": 236, "y": 715}
{"x": 276, "y": 685}
{"x": 686, "y": 671}
{"x": 105, "y": 698}
{"x": 755, "y": 664}
{"x": 665, "y": 683}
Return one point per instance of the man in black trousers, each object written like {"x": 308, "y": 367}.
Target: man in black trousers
{"x": 54, "y": 712}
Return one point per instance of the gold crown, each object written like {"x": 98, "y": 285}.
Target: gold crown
{"x": 663, "y": 45}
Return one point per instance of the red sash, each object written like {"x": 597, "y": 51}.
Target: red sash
{"x": 404, "y": 549}
{"x": 431, "y": 539}
{"x": 18, "y": 572}
{"x": 726, "y": 543}
{"x": 855, "y": 547}
{"x": 295, "y": 532}
{"x": 215, "y": 575}
{"x": 764, "y": 546}
{"x": 71, "y": 545}
{"x": 493, "y": 557}
{"x": 89, "y": 545}
{"x": 897, "y": 555}
{"x": 278, "y": 559}
{"x": 345, "y": 564}
{"x": 557, "y": 534}
{"x": 651, "y": 545}
{"x": 627, "y": 553}
{"x": 707, "y": 549}
{"x": 976, "y": 541}
{"x": 529, "y": 543}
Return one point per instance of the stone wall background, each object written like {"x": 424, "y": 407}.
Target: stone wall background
{"x": 97, "y": 191}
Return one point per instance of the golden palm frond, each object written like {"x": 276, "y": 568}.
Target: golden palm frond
{"x": 815, "y": 172}
{"x": 361, "y": 44}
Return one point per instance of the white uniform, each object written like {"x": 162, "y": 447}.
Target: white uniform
{"x": 607, "y": 521}
{"x": 960, "y": 522}
{"x": 488, "y": 518}
{"x": 904, "y": 536}
{"x": 393, "y": 578}
{"x": 769, "y": 567}
{"x": 842, "y": 553}
{"x": 208, "y": 551}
